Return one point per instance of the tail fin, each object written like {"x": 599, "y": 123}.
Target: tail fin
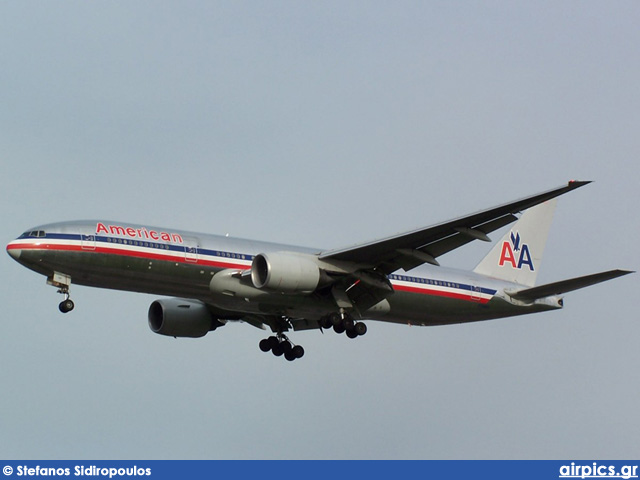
{"x": 516, "y": 258}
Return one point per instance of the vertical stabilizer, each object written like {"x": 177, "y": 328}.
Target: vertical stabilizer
{"x": 517, "y": 256}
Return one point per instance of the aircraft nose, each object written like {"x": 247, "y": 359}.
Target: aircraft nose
{"x": 14, "y": 250}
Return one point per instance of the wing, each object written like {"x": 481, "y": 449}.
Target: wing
{"x": 408, "y": 250}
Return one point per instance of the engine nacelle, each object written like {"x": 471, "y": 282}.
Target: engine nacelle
{"x": 176, "y": 317}
{"x": 285, "y": 272}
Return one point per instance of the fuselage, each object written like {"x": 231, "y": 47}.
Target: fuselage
{"x": 175, "y": 263}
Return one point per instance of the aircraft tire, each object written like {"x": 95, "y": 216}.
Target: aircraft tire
{"x": 348, "y": 323}
{"x": 325, "y": 322}
{"x": 339, "y": 328}
{"x": 336, "y": 319}
{"x": 66, "y": 306}
{"x": 290, "y": 356}
{"x": 286, "y": 346}
{"x": 352, "y": 333}
{"x": 298, "y": 351}
{"x": 277, "y": 350}
{"x": 360, "y": 328}
{"x": 265, "y": 345}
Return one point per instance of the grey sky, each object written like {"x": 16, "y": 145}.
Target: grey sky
{"x": 321, "y": 124}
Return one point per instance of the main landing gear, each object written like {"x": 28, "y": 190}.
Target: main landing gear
{"x": 343, "y": 322}
{"x": 280, "y": 345}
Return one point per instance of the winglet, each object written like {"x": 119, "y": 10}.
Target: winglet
{"x": 580, "y": 183}
{"x": 574, "y": 184}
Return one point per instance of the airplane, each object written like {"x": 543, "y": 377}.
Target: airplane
{"x": 213, "y": 280}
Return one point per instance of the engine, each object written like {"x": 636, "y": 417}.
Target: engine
{"x": 285, "y": 272}
{"x": 176, "y": 317}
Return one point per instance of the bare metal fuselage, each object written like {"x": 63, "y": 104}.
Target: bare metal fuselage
{"x": 183, "y": 264}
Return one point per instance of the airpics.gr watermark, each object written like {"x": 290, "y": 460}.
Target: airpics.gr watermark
{"x": 78, "y": 471}
{"x": 598, "y": 471}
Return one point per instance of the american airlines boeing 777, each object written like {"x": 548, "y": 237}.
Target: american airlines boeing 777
{"x": 216, "y": 279}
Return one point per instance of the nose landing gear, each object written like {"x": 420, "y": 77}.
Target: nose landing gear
{"x": 67, "y": 304}
{"x": 63, "y": 282}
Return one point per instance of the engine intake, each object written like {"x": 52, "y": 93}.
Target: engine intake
{"x": 285, "y": 272}
{"x": 176, "y": 317}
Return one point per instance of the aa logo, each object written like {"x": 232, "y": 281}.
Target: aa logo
{"x": 515, "y": 254}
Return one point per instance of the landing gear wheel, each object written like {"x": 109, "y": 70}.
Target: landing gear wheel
{"x": 348, "y": 323}
{"x": 280, "y": 345}
{"x": 66, "y": 305}
{"x": 352, "y": 333}
{"x": 265, "y": 345}
{"x": 290, "y": 355}
{"x": 62, "y": 282}
{"x": 360, "y": 328}
{"x": 286, "y": 346}
{"x": 339, "y": 328}
{"x": 335, "y": 318}
{"x": 325, "y": 322}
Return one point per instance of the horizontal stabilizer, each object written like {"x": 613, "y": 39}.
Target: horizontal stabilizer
{"x": 565, "y": 286}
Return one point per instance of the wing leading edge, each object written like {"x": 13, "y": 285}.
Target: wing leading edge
{"x": 411, "y": 249}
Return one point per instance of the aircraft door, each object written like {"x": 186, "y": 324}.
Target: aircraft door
{"x": 475, "y": 293}
{"x": 88, "y": 242}
{"x": 191, "y": 245}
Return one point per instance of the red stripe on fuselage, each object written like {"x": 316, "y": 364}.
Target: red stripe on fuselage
{"x": 439, "y": 293}
{"x": 178, "y": 257}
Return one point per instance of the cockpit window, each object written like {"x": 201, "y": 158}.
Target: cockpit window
{"x": 34, "y": 233}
